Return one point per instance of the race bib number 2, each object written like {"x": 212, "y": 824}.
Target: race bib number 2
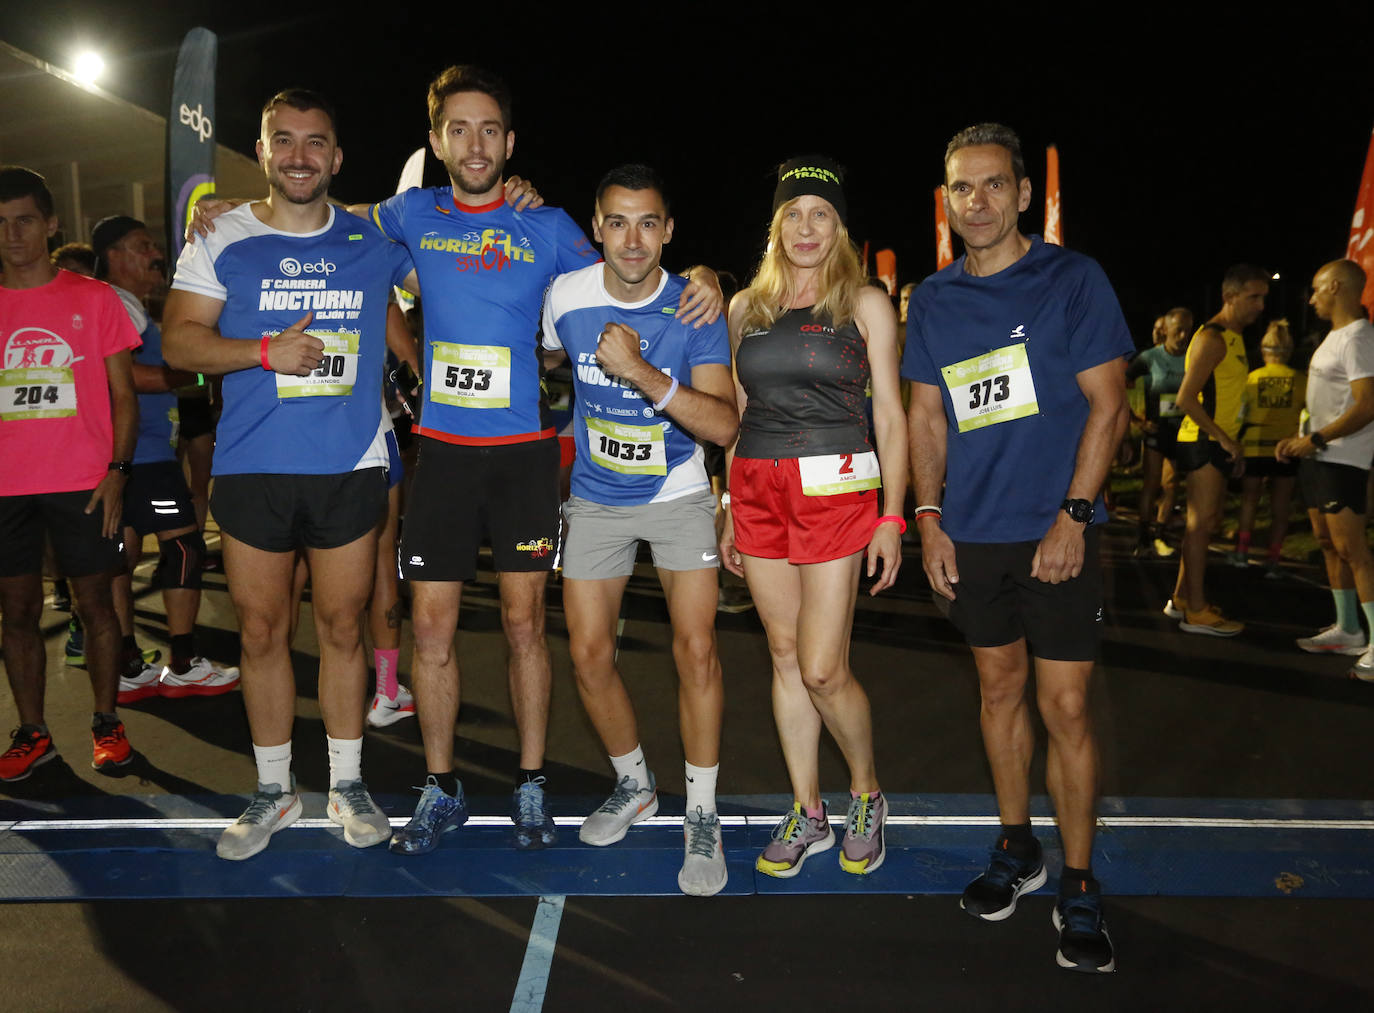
{"x": 832, "y": 474}
{"x": 470, "y": 376}
{"x": 37, "y": 393}
{"x": 336, "y": 373}
{"x": 991, "y": 388}
{"x": 630, "y": 450}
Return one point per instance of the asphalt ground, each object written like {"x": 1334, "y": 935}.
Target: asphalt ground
{"x": 1189, "y": 726}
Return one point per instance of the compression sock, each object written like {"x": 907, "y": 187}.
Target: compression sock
{"x": 701, "y": 788}
{"x": 1368, "y": 608}
{"x": 274, "y": 764}
{"x": 345, "y": 760}
{"x": 385, "y": 662}
{"x": 1347, "y": 618}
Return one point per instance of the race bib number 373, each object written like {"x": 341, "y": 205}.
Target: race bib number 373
{"x": 991, "y": 388}
{"x": 37, "y": 393}
{"x": 470, "y": 376}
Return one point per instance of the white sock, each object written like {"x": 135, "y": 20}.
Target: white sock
{"x": 632, "y": 765}
{"x": 274, "y": 764}
{"x": 701, "y": 788}
{"x": 345, "y": 760}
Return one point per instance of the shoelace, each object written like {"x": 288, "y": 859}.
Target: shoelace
{"x": 701, "y": 837}
{"x": 790, "y": 827}
{"x": 260, "y": 807}
{"x": 22, "y": 745}
{"x": 1003, "y": 868}
{"x": 530, "y": 807}
{"x": 357, "y": 798}
{"x": 110, "y": 736}
{"x": 860, "y": 823}
{"x": 621, "y": 796}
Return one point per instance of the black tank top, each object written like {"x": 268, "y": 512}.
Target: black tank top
{"x": 807, "y": 383}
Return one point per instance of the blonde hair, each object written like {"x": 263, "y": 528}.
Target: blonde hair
{"x": 771, "y": 290}
{"x": 1279, "y": 337}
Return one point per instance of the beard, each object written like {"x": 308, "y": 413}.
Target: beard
{"x": 278, "y": 184}
{"x": 469, "y": 184}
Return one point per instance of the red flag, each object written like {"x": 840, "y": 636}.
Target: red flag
{"x": 1054, "y": 229}
{"x": 944, "y": 249}
{"x": 1361, "y": 246}
{"x": 887, "y": 269}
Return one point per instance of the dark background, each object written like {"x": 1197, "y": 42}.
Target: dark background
{"x": 1189, "y": 140}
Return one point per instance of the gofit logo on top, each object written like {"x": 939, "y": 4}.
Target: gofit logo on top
{"x": 198, "y": 122}
{"x": 292, "y": 268}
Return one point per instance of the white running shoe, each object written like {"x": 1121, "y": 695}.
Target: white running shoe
{"x": 1172, "y": 609}
{"x": 139, "y": 686}
{"x": 628, "y": 804}
{"x": 203, "y": 678}
{"x": 1334, "y": 640}
{"x": 270, "y": 810}
{"x": 703, "y": 859}
{"x": 385, "y": 712}
{"x": 352, "y": 808}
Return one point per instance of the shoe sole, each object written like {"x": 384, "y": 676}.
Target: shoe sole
{"x": 1028, "y": 886}
{"x": 649, "y": 810}
{"x": 180, "y": 692}
{"x": 353, "y": 839}
{"x": 1068, "y": 964}
{"x": 862, "y": 866}
{"x": 389, "y": 717}
{"x": 1210, "y": 631}
{"x": 1362, "y": 674}
{"x": 51, "y": 754}
{"x": 1351, "y": 651}
{"x": 825, "y": 844}
{"x": 1172, "y": 612}
{"x": 135, "y": 695}
{"x": 452, "y": 824}
{"x": 289, "y": 817}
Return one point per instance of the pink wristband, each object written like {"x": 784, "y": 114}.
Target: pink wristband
{"x": 893, "y": 519}
{"x": 263, "y": 352}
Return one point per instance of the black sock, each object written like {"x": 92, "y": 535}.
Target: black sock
{"x": 101, "y": 721}
{"x": 131, "y": 647}
{"x": 1018, "y": 840}
{"x": 524, "y": 776}
{"x": 183, "y": 650}
{"x": 448, "y": 781}
{"x": 1075, "y": 881}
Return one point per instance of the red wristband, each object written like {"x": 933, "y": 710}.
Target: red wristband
{"x": 263, "y": 352}
{"x": 928, "y": 512}
{"x": 893, "y": 519}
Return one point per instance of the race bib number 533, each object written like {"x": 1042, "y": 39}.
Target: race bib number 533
{"x": 470, "y": 376}
{"x": 991, "y": 388}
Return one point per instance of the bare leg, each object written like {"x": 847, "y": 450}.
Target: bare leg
{"x": 1206, "y": 488}
{"x": 343, "y": 580}
{"x": 692, "y": 597}
{"x": 1005, "y": 719}
{"x": 1071, "y": 771}
{"x": 21, "y": 608}
{"x": 522, "y": 617}
{"x": 434, "y": 614}
{"x": 260, "y": 588}
{"x": 94, "y": 605}
{"x": 591, "y": 608}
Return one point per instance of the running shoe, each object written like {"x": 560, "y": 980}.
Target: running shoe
{"x": 734, "y": 599}
{"x": 993, "y": 895}
{"x": 534, "y": 826}
{"x": 1174, "y": 607}
{"x": 203, "y": 678}
{"x": 75, "y": 649}
{"x": 351, "y": 807}
{"x": 1083, "y": 941}
{"x": 110, "y": 746}
{"x": 138, "y": 682}
{"x": 703, "y": 856}
{"x": 386, "y": 711}
{"x": 270, "y": 810}
{"x": 862, "y": 851}
{"x": 1240, "y": 560}
{"x": 796, "y": 837}
{"x": 1334, "y": 640}
{"x": 30, "y": 746}
{"x": 628, "y": 804}
{"x": 1211, "y": 622}
{"x": 435, "y": 813}
{"x": 1163, "y": 549}
{"x": 1364, "y": 667}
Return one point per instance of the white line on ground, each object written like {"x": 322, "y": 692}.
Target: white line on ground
{"x": 534, "y": 972}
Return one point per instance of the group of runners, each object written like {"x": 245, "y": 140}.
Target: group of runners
{"x": 1016, "y": 356}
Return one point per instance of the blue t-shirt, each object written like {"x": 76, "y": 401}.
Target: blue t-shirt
{"x": 329, "y": 422}
{"x": 1163, "y": 374}
{"x": 1009, "y": 347}
{"x": 627, "y": 453}
{"x": 483, "y": 272}
{"x": 157, "y": 412}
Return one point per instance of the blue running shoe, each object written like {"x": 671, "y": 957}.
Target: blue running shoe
{"x": 1083, "y": 941}
{"x": 435, "y": 813}
{"x": 75, "y": 648}
{"x": 993, "y": 895}
{"x": 534, "y": 827}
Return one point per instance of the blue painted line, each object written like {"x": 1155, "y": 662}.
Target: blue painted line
{"x": 534, "y": 972}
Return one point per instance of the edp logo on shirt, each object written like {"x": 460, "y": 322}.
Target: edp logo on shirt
{"x": 292, "y": 268}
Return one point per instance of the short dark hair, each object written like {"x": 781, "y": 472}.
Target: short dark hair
{"x": 466, "y": 77}
{"x": 16, "y": 182}
{"x": 1239, "y": 275}
{"x": 81, "y": 253}
{"x": 303, "y": 100}
{"x": 634, "y": 177}
{"x": 989, "y": 133}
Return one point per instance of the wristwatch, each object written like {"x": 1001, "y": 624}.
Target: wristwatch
{"x": 123, "y": 467}
{"x": 1080, "y": 510}
{"x": 1318, "y": 440}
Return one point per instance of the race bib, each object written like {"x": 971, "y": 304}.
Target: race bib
{"x": 831, "y": 474}
{"x": 37, "y": 393}
{"x": 991, "y": 388}
{"x": 630, "y": 450}
{"x": 1169, "y": 406}
{"x": 470, "y": 376}
{"x": 336, "y": 374}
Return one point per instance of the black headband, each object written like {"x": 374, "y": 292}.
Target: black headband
{"x": 811, "y": 174}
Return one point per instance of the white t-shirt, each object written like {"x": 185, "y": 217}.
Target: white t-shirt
{"x": 1346, "y": 354}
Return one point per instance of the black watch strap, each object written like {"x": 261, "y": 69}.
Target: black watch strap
{"x": 123, "y": 467}
{"x": 1080, "y": 510}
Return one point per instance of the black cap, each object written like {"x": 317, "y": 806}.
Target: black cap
{"x": 815, "y": 175}
{"x": 109, "y": 231}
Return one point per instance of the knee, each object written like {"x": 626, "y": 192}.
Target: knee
{"x": 433, "y": 636}
{"x": 260, "y": 633}
{"x": 181, "y": 560}
{"x": 695, "y": 655}
{"x": 824, "y": 678}
{"x": 592, "y": 657}
{"x": 1002, "y": 691}
{"x": 341, "y": 629}
{"x": 524, "y": 627}
{"x": 1063, "y": 710}
{"x": 1327, "y": 546}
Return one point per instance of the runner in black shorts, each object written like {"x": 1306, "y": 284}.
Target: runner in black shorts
{"x": 68, "y": 421}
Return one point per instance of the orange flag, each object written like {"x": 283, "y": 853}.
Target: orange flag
{"x": 887, "y": 269}
{"x": 1054, "y": 229}
{"x": 944, "y": 249}
{"x": 1361, "y": 246}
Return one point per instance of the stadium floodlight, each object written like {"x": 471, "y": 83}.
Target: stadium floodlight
{"x": 89, "y": 66}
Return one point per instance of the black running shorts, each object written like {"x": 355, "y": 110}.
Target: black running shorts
{"x": 282, "y": 513}
{"x": 156, "y": 498}
{"x": 997, "y": 601}
{"x": 1190, "y": 456}
{"x": 1331, "y": 488}
{"x": 506, "y": 494}
{"x": 80, "y": 548}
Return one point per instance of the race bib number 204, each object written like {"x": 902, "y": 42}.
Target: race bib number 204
{"x": 991, "y": 388}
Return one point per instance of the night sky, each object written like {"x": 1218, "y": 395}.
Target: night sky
{"x": 1187, "y": 142}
